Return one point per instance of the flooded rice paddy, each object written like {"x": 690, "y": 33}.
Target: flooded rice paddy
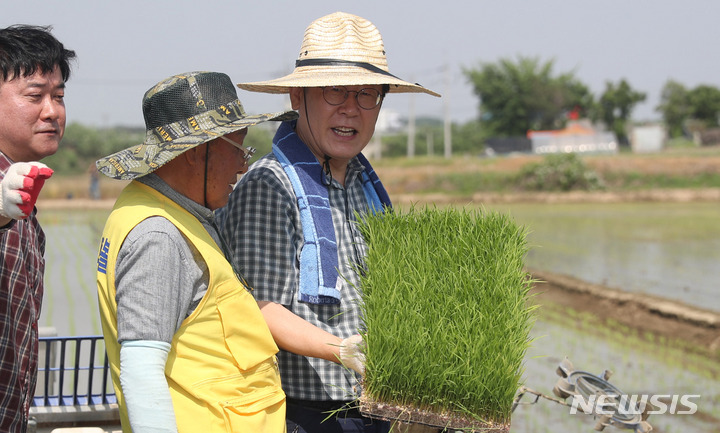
{"x": 666, "y": 249}
{"x": 669, "y": 250}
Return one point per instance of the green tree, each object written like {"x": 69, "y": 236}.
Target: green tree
{"x": 704, "y": 102}
{"x": 674, "y": 107}
{"x": 616, "y": 105}
{"x": 522, "y": 96}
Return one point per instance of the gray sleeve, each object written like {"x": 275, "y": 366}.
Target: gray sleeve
{"x": 159, "y": 280}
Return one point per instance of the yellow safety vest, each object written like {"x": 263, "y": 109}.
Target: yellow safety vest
{"x": 221, "y": 369}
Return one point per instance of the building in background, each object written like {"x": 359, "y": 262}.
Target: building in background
{"x": 577, "y": 137}
{"x": 647, "y": 138}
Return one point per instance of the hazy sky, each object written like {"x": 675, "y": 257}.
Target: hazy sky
{"x": 126, "y": 46}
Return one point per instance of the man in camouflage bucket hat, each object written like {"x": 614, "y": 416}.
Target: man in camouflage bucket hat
{"x": 173, "y": 129}
{"x": 170, "y": 299}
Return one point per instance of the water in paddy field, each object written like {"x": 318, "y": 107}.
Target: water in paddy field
{"x": 670, "y": 250}
{"x": 666, "y": 249}
{"x": 70, "y": 300}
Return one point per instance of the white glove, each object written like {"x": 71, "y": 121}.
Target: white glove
{"x": 20, "y": 187}
{"x": 351, "y": 353}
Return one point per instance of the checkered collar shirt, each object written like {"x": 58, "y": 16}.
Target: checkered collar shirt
{"x": 262, "y": 226}
{"x": 22, "y": 265}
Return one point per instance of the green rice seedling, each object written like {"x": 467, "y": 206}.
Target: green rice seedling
{"x": 446, "y": 314}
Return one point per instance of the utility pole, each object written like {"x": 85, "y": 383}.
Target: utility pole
{"x": 448, "y": 122}
{"x": 411, "y": 128}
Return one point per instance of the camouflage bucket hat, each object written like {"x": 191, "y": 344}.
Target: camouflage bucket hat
{"x": 181, "y": 112}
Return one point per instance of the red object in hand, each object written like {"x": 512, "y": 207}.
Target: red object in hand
{"x": 32, "y": 184}
{"x": 20, "y": 187}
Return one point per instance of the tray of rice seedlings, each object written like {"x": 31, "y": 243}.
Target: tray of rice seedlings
{"x": 446, "y": 317}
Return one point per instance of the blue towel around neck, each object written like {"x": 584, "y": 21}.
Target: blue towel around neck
{"x": 318, "y": 258}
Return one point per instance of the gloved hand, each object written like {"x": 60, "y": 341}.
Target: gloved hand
{"x": 351, "y": 353}
{"x": 20, "y": 187}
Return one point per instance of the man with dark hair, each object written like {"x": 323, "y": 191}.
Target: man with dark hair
{"x": 34, "y": 68}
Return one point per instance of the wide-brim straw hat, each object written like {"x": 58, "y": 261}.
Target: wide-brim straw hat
{"x": 339, "y": 49}
{"x": 181, "y": 112}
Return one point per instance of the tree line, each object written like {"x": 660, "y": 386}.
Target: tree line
{"x": 514, "y": 98}
{"x": 518, "y": 96}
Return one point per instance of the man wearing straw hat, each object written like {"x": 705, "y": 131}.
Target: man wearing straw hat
{"x": 290, "y": 220}
{"x": 188, "y": 347}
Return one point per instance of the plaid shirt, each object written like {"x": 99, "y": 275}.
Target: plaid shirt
{"x": 22, "y": 247}
{"x": 262, "y": 225}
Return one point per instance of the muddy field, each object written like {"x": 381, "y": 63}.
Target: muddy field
{"x": 698, "y": 329}
{"x": 404, "y": 182}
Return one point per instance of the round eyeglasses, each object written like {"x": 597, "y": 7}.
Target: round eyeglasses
{"x": 366, "y": 98}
